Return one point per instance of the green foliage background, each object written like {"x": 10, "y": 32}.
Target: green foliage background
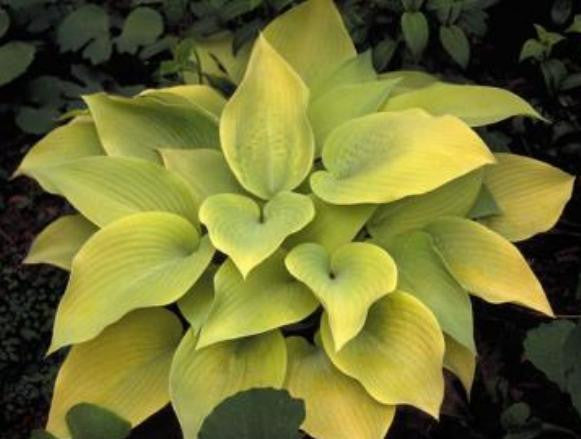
{"x": 53, "y": 51}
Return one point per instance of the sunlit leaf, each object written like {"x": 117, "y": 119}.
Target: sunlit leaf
{"x": 440, "y": 98}
{"x": 398, "y": 355}
{"x": 195, "y": 305}
{"x": 201, "y": 379}
{"x": 347, "y": 282}
{"x": 353, "y": 71}
{"x": 485, "y": 205}
{"x": 71, "y": 142}
{"x": 248, "y": 233}
{"x": 338, "y": 407}
{"x": 58, "y": 243}
{"x": 267, "y": 299}
{"x": 104, "y": 189}
{"x": 388, "y": 156}
{"x": 313, "y": 39}
{"x": 140, "y": 126}
{"x": 147, "y": 259}
{"x": 486, "y": 264}
{"x": 409, "y": 80}
{"x": 125, "y": 369}
{"x": 200, "y": 95}
{"x": 530, "y": 194}
{"x": 268, "y": 151}
{"x": 461, "y": 361}
{"x": 452, "y": 199}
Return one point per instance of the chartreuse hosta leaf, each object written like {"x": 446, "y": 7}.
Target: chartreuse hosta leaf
{"x": 423, "y": 274}
{"x": 338, "y": 407}
{"x": 196, "y": 94}
{"x": 73, "y": 141}
{"x": 313, "y": 39}
{"x": 408, "y": 80}
{"x": 397, "y": 356}
{"x": 530, "y": 194}
{"x": 267, "y": 299}
{"x": 60, "y": 241}
{"x": 452, "y": 199}
{"x": 353, "y": 71}
{"x": 247, "y": 233}
{"x": 146, "y": 259}
{"x": 202, "y": 378}
{"x": 486, "y": 264}
{"x": 138, "y": 127}
{"x": 264, "y": 129}
{"x": 461, "y": 361}
{"x": 344, "y": 103}
{"x": 104, "y": 189}
{"x": 205, "y": 170}
{"x": 125, "y": 369}
{"x": 476, "y": 105}
{"x": 333, "y": 226}
{"x": 195, "y": 305}
{"x": 388, "y": 156}
{"x": 347, "y": 282}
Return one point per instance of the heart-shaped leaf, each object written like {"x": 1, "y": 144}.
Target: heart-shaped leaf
{"x": 255, "y": 414}
{"x": 423, "y": 274}
{"x": 105, "y": 189}
{"x": 205, "y": 170}
{"x": 138, "y": 127}
{"x": 90, "y": 421}
{"x": 248, "y": 234}
{"x": 338, "y": 407}
{"x": 268, "y": 151}
{"x": 530, "y": 194}
{"x": 58, "y": 243}
{"x": 387, "y": 156}
{"x": 313, "y": 39}
{"x": 201, "y": 379}
{"x": 267, "y": 299}
{"x": 147, "y": 259}
{"x": 486, "y": 264}
{"x": 398, "y": 355}
{"x": 455, "y": 198}
{"x": 71, "y": 142}
{"x": 347, "y": 283}
{"x": 142, "y": 27}
{"x": 15, "y": 58}
{"x": 128, "y": 362}
{"x": 440, "y": 98}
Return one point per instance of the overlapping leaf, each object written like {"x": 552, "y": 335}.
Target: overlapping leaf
{"x": 461, "y": 361}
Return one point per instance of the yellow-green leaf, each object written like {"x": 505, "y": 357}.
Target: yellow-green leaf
{"x": 452, "y": 199}
{"x": 337, "y": 406}
{"x": 267, "y": 299}
{"x": 60, "y": 241}
{"x": 347, "y": 282}
{"x": 333, "y": 226}
{"x": 384, "y": 157}
{"x": 398, "y": 355}
{"x": 125, "y": 369}
{"x": 486, "y": 264}
{"x": 71, "y": 142}
{"x": 409, "y": 80}
{"x": 313, "y": 39}
{"x": 202, "y": 378}
{"x": 105, "y": 189}
{"x": 138, "y": 127}
{"x": 205, "y": 170}
{"x": 195, "y": 305}
{"x": 199, "y": 95}
{"x": 423, "y": 274}
{"x": 143, "y": 260}
{"x": 461, "y": 361}
{"x": 531, "y": 195}
{"x": 249, "y": 234}
{"x": 265, "y": 132}
{"x": 476, "y": 105}
{"x": 344, "y": 103}
{"x": 353, "y": 71}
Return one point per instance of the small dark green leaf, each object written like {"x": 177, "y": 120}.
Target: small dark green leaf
{"x": 456, "y": 44}
{"x": 532, "y": 49}
{"x": 15, "y": 57}
{"x": 576, "y": 25}
{"x": 485, "y": 205}
{"x": 561, "y": 11}
{"x": 41, "y": 434}
{"x": 412, "y": 5}
{"x": 142, "y": 27}
{"x": 572, "y": 366}
{"x": 36, "y": 120}
{"x": 548, "y": 38}
{"x": 572, "y": 81}
{"x": 544, "y": 347}
{"x": 415, "y": 31}
{"x": 515, "y": 415}
{"x": 554, "y": 73}
{"x": 235, "y": 8}
{"x": 383, "y": 53}
{"x": 255, "y": 414}
{"x": 89, "y": 421}
{"x": 4, "y": 22}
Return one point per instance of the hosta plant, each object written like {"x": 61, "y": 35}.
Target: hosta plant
{"x": 321, "y": 231}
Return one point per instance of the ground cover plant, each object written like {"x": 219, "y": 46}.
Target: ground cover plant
{"x": 485, "y": 207}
